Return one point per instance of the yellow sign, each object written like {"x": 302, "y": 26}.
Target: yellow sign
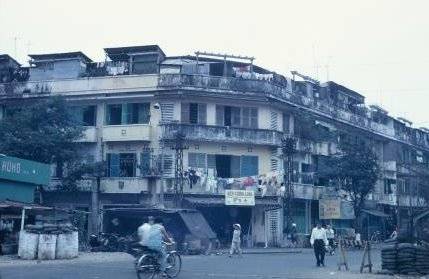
{"x": 239, "y": 197}
{"x": 330, "y": 209}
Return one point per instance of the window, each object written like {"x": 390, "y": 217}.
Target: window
{"x": 286, "y": 123}
{"x": 197, "y": 160}
{"x": 194, "y": 113}
{"x": 246, "y": 117}
{"x": 388, "y": 183}
{"x": 250, "y": 117}
{"x": 86, "y": 115}
{"x": 121, "y": 165}
{"x": 132, "y": 113}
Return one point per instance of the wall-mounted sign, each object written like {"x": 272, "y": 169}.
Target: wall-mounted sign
{"x": 239, "y": 197}
{"x": 335, "y": 209}
{"x": 330, "y": 209}
{"x": 20, "y": 170}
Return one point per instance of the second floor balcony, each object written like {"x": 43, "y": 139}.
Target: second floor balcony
{"x": 209, "y": 133}
{"x": 136, "y": 132}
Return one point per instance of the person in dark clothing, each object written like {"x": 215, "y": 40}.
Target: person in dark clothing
{"x": 319, "y": 240}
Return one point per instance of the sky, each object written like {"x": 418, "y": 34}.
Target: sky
{"x": 375, "y": 47}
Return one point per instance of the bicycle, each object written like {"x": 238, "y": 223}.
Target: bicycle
{"x": 147, "y": 265}
{"x": 376, "y": 238}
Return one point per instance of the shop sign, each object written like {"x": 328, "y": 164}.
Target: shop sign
{"x": 330, "y": 209}
{"x": 239, "y": 198}
{"x": 15, "y": 169}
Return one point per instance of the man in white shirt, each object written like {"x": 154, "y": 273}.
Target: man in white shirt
{"x": 319, "y": 240}
{"x": 143, "y": 231}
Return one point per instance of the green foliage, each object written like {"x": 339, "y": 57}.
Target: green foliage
{"x": 42, "y": 131}
{"x": 356, "y": 171}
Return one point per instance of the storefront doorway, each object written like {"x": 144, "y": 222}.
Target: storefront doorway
{"x": 221, "y": 219}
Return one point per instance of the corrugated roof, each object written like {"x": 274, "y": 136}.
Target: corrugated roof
{"x": 64, "y": 55}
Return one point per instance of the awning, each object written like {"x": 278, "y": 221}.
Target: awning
{"x": 376, "y": 213}
{"x": 7, "y": 204}
{"x": 197, "y": 224}
{"x": 220, "y": 201}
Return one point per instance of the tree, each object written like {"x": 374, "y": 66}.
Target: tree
{"x": 356, "y": 171}
{"x": 43, "y": 131}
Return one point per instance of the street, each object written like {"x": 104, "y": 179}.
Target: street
{"x": 119, "y": 265}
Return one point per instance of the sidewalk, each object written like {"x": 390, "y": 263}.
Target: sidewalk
{"x": 264, "y": 251}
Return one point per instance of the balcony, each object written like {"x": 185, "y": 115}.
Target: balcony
{"x": 221, "y": 83}
{"x": 208, "y": 133}
{"x": 125, "y": 185}
{"x": 81, "y": 86}
{"x": 136, "y": 132}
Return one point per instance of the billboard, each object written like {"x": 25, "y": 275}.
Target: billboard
{"x": 239, "y": 198}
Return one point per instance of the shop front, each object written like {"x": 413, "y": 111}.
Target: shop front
{"x": 18, "y": 181}
{"x": 258, "y": 216}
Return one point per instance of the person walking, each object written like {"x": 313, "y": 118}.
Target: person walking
{"x": 236, "y": 241}
{"x": 330, "y": 235}
{"x": 293, "y": 235}
{"x": 319, "y": 240}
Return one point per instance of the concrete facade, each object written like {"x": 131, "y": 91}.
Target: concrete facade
{"x": 277, "y": 109}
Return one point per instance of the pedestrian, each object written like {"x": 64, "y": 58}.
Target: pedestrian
{"x": 358, "y": 240}
{"x": 330, "y": 235}
{"x": 293, "y": 235}
{"x": 143, "y": 231}
{"x": 318, "y": 240}
{"x": 394, "y": 234}
{"x": 236, "y": 241}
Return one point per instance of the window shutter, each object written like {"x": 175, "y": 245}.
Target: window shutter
{"x": 192, "y": 160}
{"x": 202, "y": 114}
{"x": 145, "y": 162}
{"x": 185, "y": 113}
{"x": 236, "y": 117}
{"x": 220, "y": 110}
{"x": 113, "y": 161}
{"x": 254, "y": 118}
{"x": 273, "y": 122}
{"x": 235, "y": 166}
{"x": 211, "y": 161}
{"x": 167, "y": 112}
{"x": 249, "y": 166}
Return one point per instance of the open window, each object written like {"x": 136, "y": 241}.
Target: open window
{"x": 86, "y": 115}
{"x": 131, "y": 113}
{"x": 194, "y": 113}
{"x": 246, "y": 117}
{"x": 121, "y": 164}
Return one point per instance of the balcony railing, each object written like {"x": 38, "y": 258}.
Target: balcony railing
{"x": 81, "y": 86}
{"x": 207, "y": 133}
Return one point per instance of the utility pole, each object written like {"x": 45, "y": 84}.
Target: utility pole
{"x": 178, "y": 147}
{"x": 288, "y": 150}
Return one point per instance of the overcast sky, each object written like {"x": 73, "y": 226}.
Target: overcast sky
{"x": 378, "y": 48}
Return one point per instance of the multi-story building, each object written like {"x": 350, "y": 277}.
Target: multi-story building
{"x": 233, "y": 115}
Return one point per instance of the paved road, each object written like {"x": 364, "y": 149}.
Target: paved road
{"x": 254, "y": 266}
